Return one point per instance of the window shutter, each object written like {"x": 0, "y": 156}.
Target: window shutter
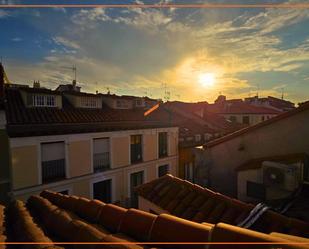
{"x": 100, "y": 145}
{"x": 52, "y": 151}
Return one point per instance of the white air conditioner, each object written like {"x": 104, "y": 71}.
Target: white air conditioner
{"x": 283, "y": 176}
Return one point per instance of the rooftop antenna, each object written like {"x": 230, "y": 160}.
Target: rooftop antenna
{"x": 258, "y": 89}
{"x": 282, "y": 93}
{"x": 167, "y": 94}
{"x": 74, "y": 69}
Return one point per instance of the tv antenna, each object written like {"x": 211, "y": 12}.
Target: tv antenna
{"x": 74, "y": 69}
{"x": 167, "y": 94}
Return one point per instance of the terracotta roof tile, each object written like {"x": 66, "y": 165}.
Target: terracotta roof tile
{"x": 203, "y": 205}
{"x": 22, "y": 121}
{"x": 119, "y": 225}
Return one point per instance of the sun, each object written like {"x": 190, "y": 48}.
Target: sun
{"x": 207, "y": 79}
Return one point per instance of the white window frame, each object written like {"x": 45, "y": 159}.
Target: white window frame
{"x": 110, "y": 152}
{"x": 40, "y": 100}
{"x": 66, "y": 159}
{"x": 129, "y": 178}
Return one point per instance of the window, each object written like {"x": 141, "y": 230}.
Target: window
{"x": 53, "y": 161}
{"x": 245, "y": 120}
{"x": 121, "y": 104}
{"x": 207, "y": 136}
{"x": 163, "y": 170}
{"x": 233, "y": 119}
{"x": 50, "y": 100}
{"x": 136, "y": 149}
{"x": 198, "y": 137}
{"x": 103, "y": 191}
{"x": 43, "y": 100}
{"x": 162, "y": 144}
{"x": 256, "y": 190}
{"x": 89, "y": 102}
{"x": 101, "y": 159}
{"x": 136, "y": 179}
{"x": 138, "y": 102}
{"x": 189, "y": 172}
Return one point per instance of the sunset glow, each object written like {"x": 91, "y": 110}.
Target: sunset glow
{"x": 207, "y": 79}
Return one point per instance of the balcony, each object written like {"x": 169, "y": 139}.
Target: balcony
{"x": 53, "y": 170}
{"x": 101, "y": 162}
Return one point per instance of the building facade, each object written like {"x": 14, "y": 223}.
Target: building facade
{"x": 72, "y": 142}
{"x": 283, "y": 135}
{"x": 102, "y": 165}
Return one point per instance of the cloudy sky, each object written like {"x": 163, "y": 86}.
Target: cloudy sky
{"x": 150, "y": 51}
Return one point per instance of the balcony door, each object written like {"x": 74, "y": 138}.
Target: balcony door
{"x": 136, "y": 179}
{"x": 101, "y": 159}
{"x": 53, "y": 161}
{"x": 103, "y": 191}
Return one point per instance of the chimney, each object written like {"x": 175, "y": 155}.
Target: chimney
{"x": 36, "y": 84}
{"x": 1, "y": 82}
{"x": 74, "y": 83}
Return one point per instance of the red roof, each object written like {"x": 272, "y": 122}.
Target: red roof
{"x": 239, "y": 107}
{"x": 69, "y": 119}
{"x": 281, "y": 116}
{"x": 192, "y": 202}
{"x": 53, "y": 217}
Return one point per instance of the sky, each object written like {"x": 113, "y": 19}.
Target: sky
{"x": 141, "y": 51}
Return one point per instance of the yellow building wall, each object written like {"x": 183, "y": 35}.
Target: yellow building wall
{"x": 150, "y": 147}
{"x": 152, "y": 172}
{"x": 173, "y": 143}
{"x": 120, "y": 149}
{"x": 24, "y": 166}
{"x": 82, "y": 188}
{"x": 80, "y": 158}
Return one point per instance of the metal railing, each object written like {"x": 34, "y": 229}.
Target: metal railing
{"x": 101, "y": 162}
{"x": 53, "y": 170}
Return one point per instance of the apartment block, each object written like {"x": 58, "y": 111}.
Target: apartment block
{"x": 71, "y": 142}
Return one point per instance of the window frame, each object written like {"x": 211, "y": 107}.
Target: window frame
{"x": 161, "y": 165}
{"x": 135, "y": 148}
{"x": 40, "y": 161}
{"x": 43, "y": 100}
{"x": 165, "y": 144}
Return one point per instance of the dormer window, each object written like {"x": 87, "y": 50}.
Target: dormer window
{"x": 43, "y": 100}
{"x": 121, "y": 104}
{"x": 89, "y": 102}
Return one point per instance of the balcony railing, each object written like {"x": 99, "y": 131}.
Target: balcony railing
{"x": 53, "y": 170}
{"x": 101, "y": 162}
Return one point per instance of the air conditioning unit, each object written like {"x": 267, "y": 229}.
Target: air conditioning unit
{"x": 283, "y": 176}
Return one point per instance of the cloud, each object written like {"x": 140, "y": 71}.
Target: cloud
{"x": 17, "y": 39}
{"x": 136, "y": 50}
{"x": 4, "y": 14}
{"x": 65, "y": 42}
